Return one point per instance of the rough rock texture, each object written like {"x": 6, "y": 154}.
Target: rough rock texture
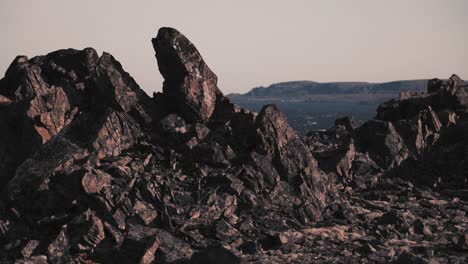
{"x": 334, "y": 149}
{"x": 292, "y": 159}
{"x": 382, "y": 142}
{"x": 278, "y": 141}
{"x": 46, "y": 93}
{"x": 419, "y": 137}
{"x": 95, "y": 171}
{"x": 189, "y": 85}
{"x": 406, "y": 186}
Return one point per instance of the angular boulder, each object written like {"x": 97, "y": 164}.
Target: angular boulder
{"x": 292, "y": 159}
{"x": 43, "y": 95}
{"x": 278, "y": 141}
{"x": 382, "y": 142}
{"x": 189, "y": 84}
{"x": 118, "y": 177}
{"x": 120, "y": 90}
{"x": 334, "y": 148}
{"x": 454, "y": 84}
{"x": 420, "y": 132}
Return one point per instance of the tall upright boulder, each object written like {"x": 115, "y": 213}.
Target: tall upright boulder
{"x": 278, "y": 141}
{"x": 189, "y": 84}
{"x": 108, "y": 178}
{"x": 454, "y": 84}
{"x": 292, "y": 159}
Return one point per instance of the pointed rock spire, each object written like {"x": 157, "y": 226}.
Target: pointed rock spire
{"x": 189, "y": 85}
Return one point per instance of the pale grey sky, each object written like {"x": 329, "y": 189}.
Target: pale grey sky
{"x": 249, "y": 43}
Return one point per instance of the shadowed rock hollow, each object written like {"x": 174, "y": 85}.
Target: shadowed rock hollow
{"x": 95, "y": 171}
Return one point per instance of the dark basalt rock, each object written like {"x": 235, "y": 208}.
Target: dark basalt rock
{"x": 432, "y": 127}
{"x": 278, "y": 141}
{"x": 189, "y": 85}
{"x": 417, "y": 137}
{"x": 420, "y": 132}
{"x": 454, "y": 84}
{"x": 434, "y": 85}
{"x": 382, "y": 142}
{"x": 415, "y": 149}
{"x": 215, "y": 255}
{"x": 120, "y": 90}
{"x": 291, "y": 158}
{"x": 95, "y": 171}
{"x": 46, "y": 93}
{"x": 349, "y": 122}
{"x": 103, "y": 173}
{"x": 334, "y": 149}
{"x": 211, "y": 154}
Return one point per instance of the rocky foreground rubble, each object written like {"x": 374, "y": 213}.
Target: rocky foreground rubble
{"x": 95, "y": 171}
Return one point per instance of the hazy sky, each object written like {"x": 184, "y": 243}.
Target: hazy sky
{"x": 252, "y": 43}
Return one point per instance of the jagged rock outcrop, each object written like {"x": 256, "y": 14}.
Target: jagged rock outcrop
{"x": 292, "y": 159}
{"x": 278, "y": 141}
{"x": 382, "y": 142}
{"x": 120, "y": 91}
{"x": 417, "y": 137}
{"x": 420, "y": 132}
{"x": 95, "y": 171}
{"x": 47, "y": 93}
{"x": 432, "y": 126}
{"x": 334, "y": 149}
{"x": 189, "y": 84}
{"x": 454, "y": 84}
{"x": 408, "y": 167}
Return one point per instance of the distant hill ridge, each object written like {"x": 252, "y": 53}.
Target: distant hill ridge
{"x": 300, "y": 88}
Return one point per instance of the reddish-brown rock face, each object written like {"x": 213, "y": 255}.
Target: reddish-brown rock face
{"x": 94, "y": 171}
{"x": 418, "y": 137}
{"x": 292, "y": 159}
{"x": 43, "y": 95}
{"x": 120, "y": 91}
{"x": 278, "y": 141}
{"x": 44, "y": 102}
{"x": 189, "y": 83}
{"x": 92, "y": 165}
{"x": 383, "y": 143}
{"x": 116, "y": 132}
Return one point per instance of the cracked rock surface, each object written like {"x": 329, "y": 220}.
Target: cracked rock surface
{"x": 92, "y": 170}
